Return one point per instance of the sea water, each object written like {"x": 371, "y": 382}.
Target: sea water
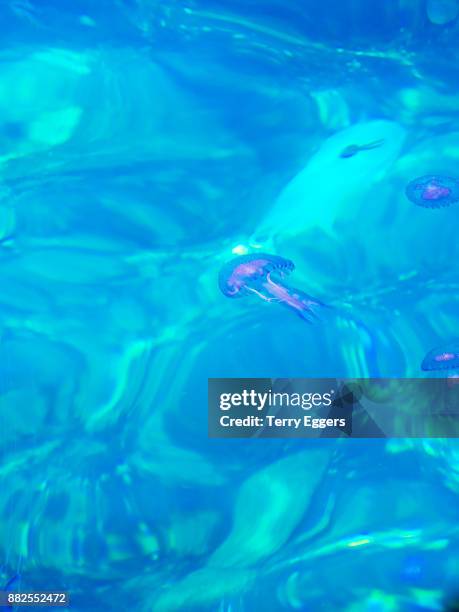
{"x": 144, "y": 145}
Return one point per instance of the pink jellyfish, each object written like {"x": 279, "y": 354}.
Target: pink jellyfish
{"x": 444, "y": 359}
{"x": 261, "y": 274}
{"x": 433, "y": 191}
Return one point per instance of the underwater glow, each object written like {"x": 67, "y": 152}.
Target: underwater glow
{"x": 361, "y": 542}
{"x": 240, "y": 249}
{"x": 256, "y": 273}
{"x": 433, "y": 191}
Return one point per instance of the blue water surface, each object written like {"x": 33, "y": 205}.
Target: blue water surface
{"x": 143, "y": 145}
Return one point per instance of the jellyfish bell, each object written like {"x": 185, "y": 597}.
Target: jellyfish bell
{"x": 443, "y": 363}
{"x": 433, "y": 191}
{"x": 443, "y": 358}
{"x": 237, "y": 275}
{"x": 262, "y": 275}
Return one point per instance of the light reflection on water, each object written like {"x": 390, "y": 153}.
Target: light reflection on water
{"x": 131, "y": 169}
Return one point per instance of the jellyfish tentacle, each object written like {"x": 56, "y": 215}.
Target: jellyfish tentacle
{"x": 262, "y": 295}
{"x": 302, "y": 303}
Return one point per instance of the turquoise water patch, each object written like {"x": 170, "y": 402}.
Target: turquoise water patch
{"x": 143, "y": 146}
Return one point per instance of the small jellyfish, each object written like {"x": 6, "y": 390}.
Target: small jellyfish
{"x": 260, "y": 274}
{"x": 433, "y": 191}
{"x": 445, "y": 357}
{"x": 443, "y": 362}
{"x": 353, "y": 149}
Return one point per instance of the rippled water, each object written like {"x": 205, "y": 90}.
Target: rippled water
{"x": 143, "y": 145}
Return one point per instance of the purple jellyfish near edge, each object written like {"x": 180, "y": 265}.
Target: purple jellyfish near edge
{"x": 445, "y": 357}
{"x": 433, "y": 191}
{"x": 261, "y": 274}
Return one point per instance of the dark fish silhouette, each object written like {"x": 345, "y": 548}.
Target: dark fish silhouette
{"x": 352, "y": 150}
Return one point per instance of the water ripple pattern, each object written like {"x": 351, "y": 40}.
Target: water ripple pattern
{"x": 144, "y": 145}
